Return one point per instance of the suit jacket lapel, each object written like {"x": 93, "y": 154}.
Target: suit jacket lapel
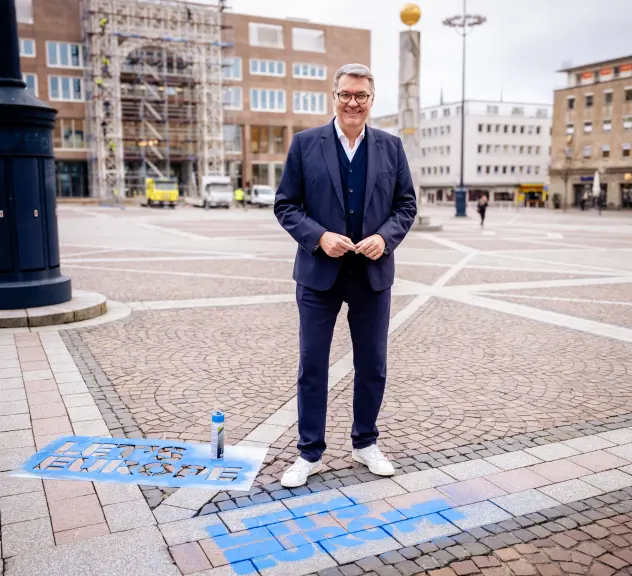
{"x": 328, "y": 144}
{"x": 374, "y": 147}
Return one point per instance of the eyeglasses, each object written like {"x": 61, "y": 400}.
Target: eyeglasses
{"x": 360, "y": 97}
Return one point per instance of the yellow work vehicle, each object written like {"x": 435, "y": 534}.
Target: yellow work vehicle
{"x": 161, "y": 191}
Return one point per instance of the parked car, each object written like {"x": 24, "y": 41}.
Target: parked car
{"x": 262, "y": 196}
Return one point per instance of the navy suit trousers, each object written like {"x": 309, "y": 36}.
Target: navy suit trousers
{"x": 368, "y": 317}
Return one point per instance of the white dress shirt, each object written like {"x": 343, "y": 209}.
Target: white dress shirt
{"x": 345, "y": 141}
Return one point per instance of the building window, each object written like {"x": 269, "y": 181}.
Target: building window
{"x": 496, "y": 169}
{"x": 627, "y": 122}
{"x": 520, "y": 169}
{"x": 259, "y": 140}
{"x": 489, "y": 128}
{"x": 447, "y": 170}
{"x": 447, "y": 129}
{"x": 278, "y": 140}
{"x": 267, "y": 67}
{"x": 231, "y": 70}
{"x": 608, "y": 97}
{"x": 446, "y": 111}
{"x": 538, "y": 130}
{"x": 27, "y": 48}
{"x": 488, "y": 148}
{"x": 232, "y": 138}
{"x": 542, "y": 113}
{"x": 570, "y": 129}
{"x": 517, "y": 111}
{"x": 260, "y": 173}
{"x": 514, "y": 129}
{"x": 442, "y": 131}
{"x": 625, "y": 150}
{"x": 607, "y": 125}
{"x": 589, "y": 100}
{"x": 310, "y": 103}
{"x": 69, "y": 134}
{"x": 480, "y": 148}
{"x": 628, "y": 94}
{"x": 528, "y": 169}
{"x": 504, "y": 169}
{"x": 31, "y": 82}
{"x": 529, "y": 149}
{"x": 63, "y": 55}
{"x": 480, "y": 127}
{"x": 24, "y": 9}
{"x": 521, "y": 129}
{"x": 505, "y": 148}
{"x": 492, "y": 110}
{"x": 488, "y": 169}
{"x": 479, "y": 169}
{"x": 570, "y": 101}
{"x": 538, "y": 149}
{"x": 65, "y": 88}
{"x": 513, "y": 169}
{"x": 264, "y": 100}
{"x": 233, "y": 98}
{"x": 605, "y": 151}
{"x": 521, "y": 150}
{"x": 587, "y": 151}
{"x": 312, "y": 71}
{"x": 308, "y": 39}
{"x": 268, "y": 35}
{"x": 587, "y": 127}
{"x": 434, "y": 114}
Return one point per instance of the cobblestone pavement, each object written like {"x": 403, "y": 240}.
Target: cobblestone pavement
{"x": 507, "y": 411}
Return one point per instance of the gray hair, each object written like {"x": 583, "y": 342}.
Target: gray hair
{"x": 357, "y": 70}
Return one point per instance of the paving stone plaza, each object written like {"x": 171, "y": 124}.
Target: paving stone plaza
{"x": 508, "y": 409}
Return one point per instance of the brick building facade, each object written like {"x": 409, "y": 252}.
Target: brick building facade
{"x": 278, "y": 76}
{"x": 592, "y": 131}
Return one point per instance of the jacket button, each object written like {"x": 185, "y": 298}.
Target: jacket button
{"x": 350, "y": 190}
{"x": 350, "y": 211}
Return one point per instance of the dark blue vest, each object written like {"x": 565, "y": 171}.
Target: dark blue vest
{"x": 353, "y": 179}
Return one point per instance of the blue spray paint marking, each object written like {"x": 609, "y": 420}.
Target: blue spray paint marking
{"x": 247, "y": 544}
{"x": 308, "y": 531}
{"x": 144, "y": 461}
{"x": 260, "y": 545}
{"x": 319, "y": 507}
{"x": 425, "y": 508}
{"x": 265, "y": 519}
{"x": 361, "y": 519}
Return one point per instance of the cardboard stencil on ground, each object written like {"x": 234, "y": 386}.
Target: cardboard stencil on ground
{"x": 168, "y": 463}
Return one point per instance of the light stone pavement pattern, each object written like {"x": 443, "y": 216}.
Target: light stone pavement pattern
{"x": 208, "y": 321}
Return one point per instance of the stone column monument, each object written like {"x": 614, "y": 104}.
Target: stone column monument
{"x": 409, "y": 104}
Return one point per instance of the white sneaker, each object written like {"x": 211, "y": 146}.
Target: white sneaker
{"x": 374, "y": 459}
{"x": 297, "y": 474}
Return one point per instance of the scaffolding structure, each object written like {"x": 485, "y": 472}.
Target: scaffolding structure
{"x": 154, "y": 85}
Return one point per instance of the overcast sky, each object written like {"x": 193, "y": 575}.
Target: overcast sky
{"x": 516, "y": 51}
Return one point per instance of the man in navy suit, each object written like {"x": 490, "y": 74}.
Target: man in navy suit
{"x": 347, "y": 198}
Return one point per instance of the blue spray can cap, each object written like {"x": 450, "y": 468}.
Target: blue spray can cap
{"x": 217, "y": 417}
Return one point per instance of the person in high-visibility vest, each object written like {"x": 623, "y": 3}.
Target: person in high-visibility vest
{"x": 240, "y": 197}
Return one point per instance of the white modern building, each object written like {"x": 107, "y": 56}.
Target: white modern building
{"x": 507, "y": 150}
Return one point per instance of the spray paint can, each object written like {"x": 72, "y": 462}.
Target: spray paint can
{"x": 217, "y": 435}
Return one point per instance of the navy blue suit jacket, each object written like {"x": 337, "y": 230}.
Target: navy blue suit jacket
{"x": 309, "y": 202}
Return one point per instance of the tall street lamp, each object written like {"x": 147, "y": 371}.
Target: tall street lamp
{"x": 30, "y": 275}
{"x": 463, "y": 24}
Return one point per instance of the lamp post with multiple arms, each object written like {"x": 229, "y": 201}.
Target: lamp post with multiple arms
{"x": 463, "y": 24}
{"x": 30, "y": 275}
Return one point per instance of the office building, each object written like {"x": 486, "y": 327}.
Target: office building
{"x": 506, "y": 150}
{"x": 592, "y": 131}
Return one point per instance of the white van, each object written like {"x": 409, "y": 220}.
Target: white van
{"x": 217, "y": 191}
{"x": 262, "y": 196}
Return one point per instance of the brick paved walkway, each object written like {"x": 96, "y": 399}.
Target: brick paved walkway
{"x": 507, "y": 411}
